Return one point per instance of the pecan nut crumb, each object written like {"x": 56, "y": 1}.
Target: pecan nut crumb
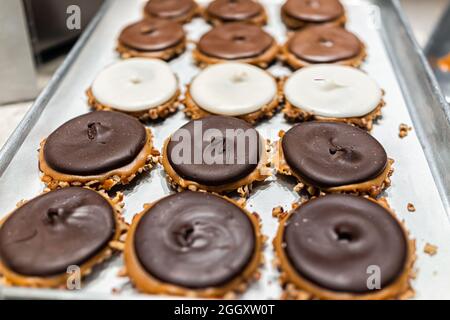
{"x": 277, "y": 212}
{"x": 411, "y": 207}
{"x": 403, "y": 130}
{"x": 430, "y": 249}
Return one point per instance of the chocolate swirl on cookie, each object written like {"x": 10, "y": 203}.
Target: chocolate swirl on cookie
{"x": 194, "y": 240}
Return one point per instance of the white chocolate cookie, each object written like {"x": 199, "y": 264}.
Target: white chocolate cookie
{"x": 233, "y": 89}
{"x": 333, "y": 91}
{"x": 135, "y": 85}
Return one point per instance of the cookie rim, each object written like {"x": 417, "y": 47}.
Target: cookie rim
{"x": 163, "y": 111}
{"x": 262, "y": 60}
{"x": 10, "y": 277}
{"x": 267, "y": 111}
{"x": 292, "y": 23}
{"x": 183, "y": 19}
{"x": 144, "y": 282}
{"x": 144, "y": 161}
{"x": 372, "y": 187}
{"x": 294, "y": 62}
{"x": 297, "y": 287}
{"x": 167, "y": 54}
{"x": 243, "y": 186}
{"x": 260, "y": 19}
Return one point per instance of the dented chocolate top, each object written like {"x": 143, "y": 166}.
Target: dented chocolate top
{"x": 152, "y": 35}
{"x": 194, "y": 240}
{"x": 339, "y": 241}
{"x": 316, "y": 11}
{"x": 324, "y": 44}
{"x": 228, "y": 150}
{"x": 94, "y": 143}
{"x": 236, "y": 40}
{"x": 234, "y": 10}
{"x": 330, "y": 154}
{"x": 56, "y": 230}
{"x": 170, "y": 9}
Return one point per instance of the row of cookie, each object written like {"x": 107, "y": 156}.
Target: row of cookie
{"x": 217, "y": 153}
{"x": 212, "y": 244}
{"x": 148, "y": 89}
{"x": 294, "y": 13}
{"x": 244, "y": 43}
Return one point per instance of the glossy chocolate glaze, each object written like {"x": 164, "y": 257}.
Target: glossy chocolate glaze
{"x": 216, "y": 174}
{"x": 95, "y": 143}
{"x": 56, "y": 230}
{"x": 170, "y": 9}
{"x": 194, "y": 240}
{"x": 234, "y": 10}
{"x": 329, "y": 154}
{"x": 324, "y": 44}
{"x": 152, "y": 35}
{"x": 316, "y": 11}
{"x": 334, "y": 241}
{"x": 236, "y": 40}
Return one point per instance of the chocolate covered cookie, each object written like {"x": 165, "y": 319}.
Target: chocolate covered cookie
{"x": 47, "y": 237}
{"x": 333, "y": 158}
{"x": 98, "y": 149}
{"x": 217, "y": 154}
{"x": 237, "y": 41}
{"x": 212, "y": 245}
{"x": 152, "y": 38}
{"x": 344, "y": 247}
{"x": 225, "y": 11}
{"x": 181, "y": 11}
{"x": 298, "y": 14}
{"x": 323, "y": 44}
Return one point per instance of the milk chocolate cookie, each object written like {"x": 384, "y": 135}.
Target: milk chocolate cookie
{"x": 298, "y": 14}
{"x": 218, "y": 154}
{"x": 323, "y": 44}
{"x": 181, "y": 11}
{"x": 233, "y": 89}
{"x": 59, "y": 231}
{"x": 98, "y": 149}
{"x": 236, "y": 41}
{"x": 333, "y": 93}
{"x": 344, "y": 247}
{"x": 144, "y": 88}
{"x": 333, "y": 158}
{"x": 206, "y": 246}
{"x": 224, "y": 11}
{"x": 152, "y": 38}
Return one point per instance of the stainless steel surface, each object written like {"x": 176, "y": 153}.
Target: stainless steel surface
{"x": 423, "y": 16}
{"x": 18, "y": 80}
{"x": 424, "y": 98}
{"x": 395, "y": 61}
{"x": 437, "y": 47}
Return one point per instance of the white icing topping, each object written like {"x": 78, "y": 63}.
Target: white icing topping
{"x": 136, "y": 84}
{"x": 333, "y": 91}
{"x": 233, "y": 89}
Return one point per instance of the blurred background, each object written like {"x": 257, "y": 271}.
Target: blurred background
{"x": 35, "y": 39}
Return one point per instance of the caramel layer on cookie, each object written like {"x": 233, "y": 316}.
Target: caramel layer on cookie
{"x": 305, "y": 277}
{"x": 151, "y": 276}
{"x": 49, "y": 212}
{"x": 350, "y": 160}
{"x": 145, "y": 160}
{"x": 154, "y": 113}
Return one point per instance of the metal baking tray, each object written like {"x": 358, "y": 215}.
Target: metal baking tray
{"x": 395, "y": 61}
{"x": 437, "y": 47}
